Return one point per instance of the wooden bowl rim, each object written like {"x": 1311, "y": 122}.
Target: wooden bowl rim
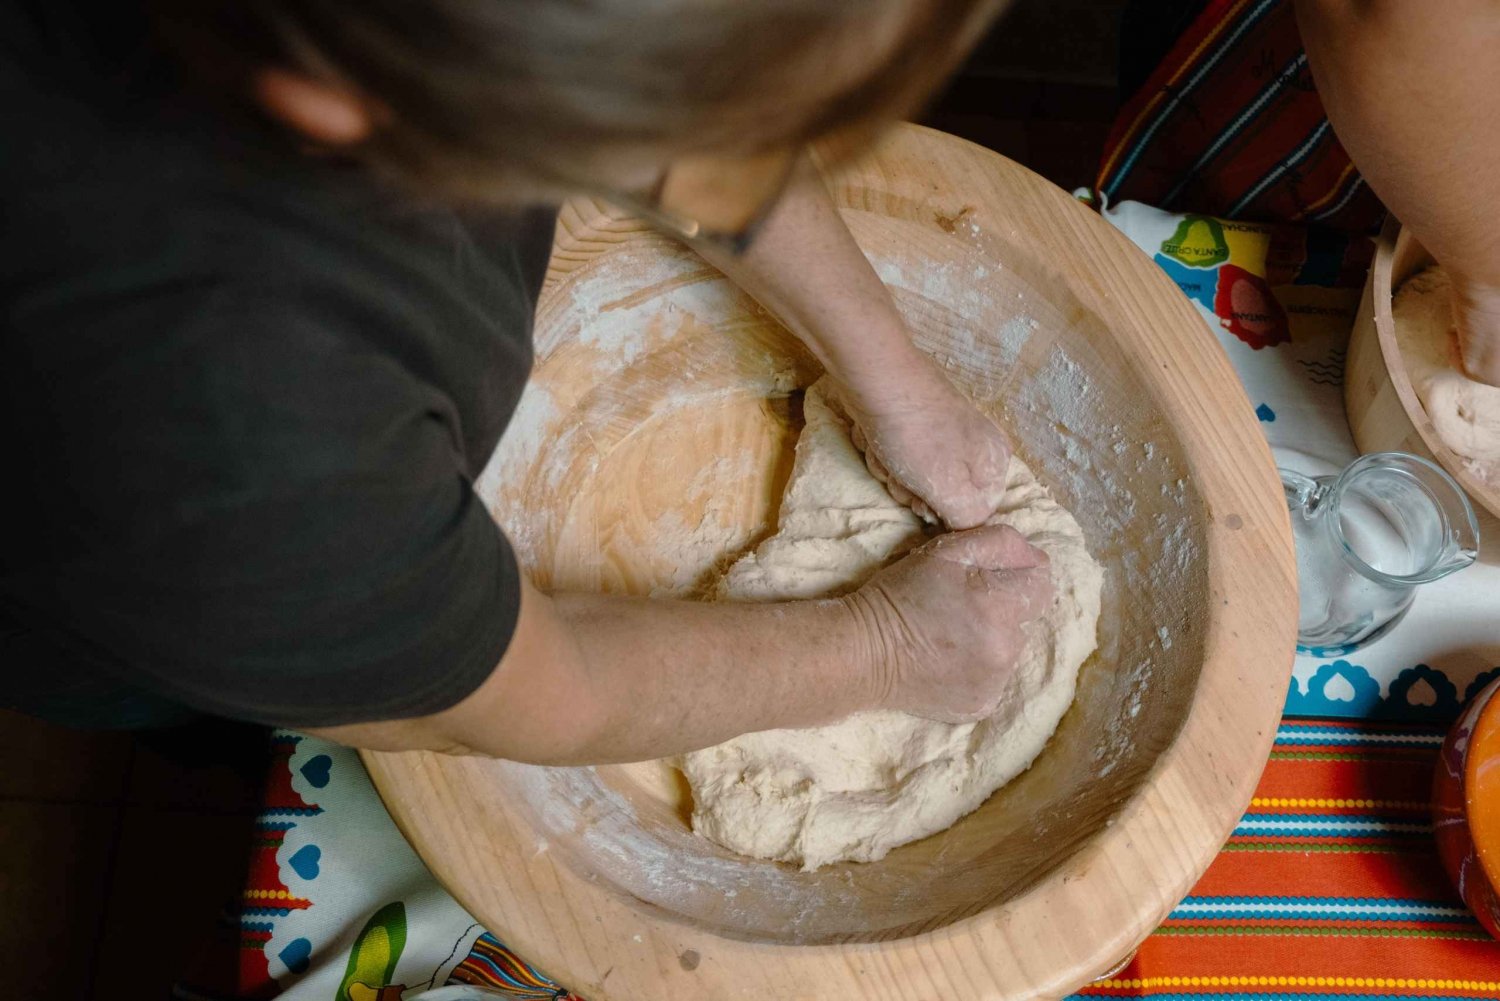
{"x": 1394, "y": 241}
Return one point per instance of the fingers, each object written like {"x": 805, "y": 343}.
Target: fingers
{"x": 967, "y": 514}
{"x": 958, "y": 489}
{"x": 1031, "y": 591}
{"x": 922, "y": 511}
{"x": 991, "y": 547}
{"x": 893, "y": 486}
{"x": 984, "y": 489}
{"x": 1476, "y": 315}
{"x": 875, "y": 466}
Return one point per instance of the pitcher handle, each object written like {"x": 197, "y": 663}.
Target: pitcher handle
{"x": 1303, "y": 493}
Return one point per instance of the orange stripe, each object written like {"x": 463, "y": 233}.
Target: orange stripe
{"x": 1331, "y": 958}
{"x": 1338, "y": 186}
{"x": 1313, "y": 958}
{"x": 1272, "y": 980}
{"x": 1187, "y": 64}
{"x": 1376, "y": 775}
{"x": 1412, "y": 875}
{"x": 1302, "y": 803}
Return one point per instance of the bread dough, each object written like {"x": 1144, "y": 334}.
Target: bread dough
{"x": 856, "y": 789}
{"x": 1465, "y": 413}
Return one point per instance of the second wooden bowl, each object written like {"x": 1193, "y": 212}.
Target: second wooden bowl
{"x": 1385, "y": 414}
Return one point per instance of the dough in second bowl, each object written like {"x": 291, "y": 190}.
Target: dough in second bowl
{"x": 854, "y": 790}
{"x": 1465, "y": 413}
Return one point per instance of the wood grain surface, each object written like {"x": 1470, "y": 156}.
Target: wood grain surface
{"x": 1385, "y": 413}
{"x": 651, "y": 449}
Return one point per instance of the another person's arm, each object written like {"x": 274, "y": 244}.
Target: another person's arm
{"x": 931, "y": 446}
{"x": 1413, "y": 92}
{"x": 591, "y": 679}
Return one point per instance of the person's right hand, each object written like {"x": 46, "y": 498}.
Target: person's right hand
{"x": 1476, "y": 314}
{"x": 945, "y": 621}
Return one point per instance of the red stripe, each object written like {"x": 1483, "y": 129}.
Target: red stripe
{"x": 1386, "y": 774}
{"x": 1166, "y": 170}
{"x": 1408, "y": 875}
{"x": 1307, "y": 956}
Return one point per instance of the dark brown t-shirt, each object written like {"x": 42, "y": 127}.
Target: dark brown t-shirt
{"x": 246, "y": 395}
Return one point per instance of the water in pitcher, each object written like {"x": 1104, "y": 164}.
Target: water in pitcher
{"x": 1366, "y": 539}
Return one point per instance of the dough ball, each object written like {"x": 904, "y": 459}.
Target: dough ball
{"x": 856, "y": 789}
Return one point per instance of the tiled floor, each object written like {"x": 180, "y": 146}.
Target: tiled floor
{"x": 116, "y": 854}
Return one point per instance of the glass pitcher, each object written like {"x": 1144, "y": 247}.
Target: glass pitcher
{"x": 1366, "y": 539}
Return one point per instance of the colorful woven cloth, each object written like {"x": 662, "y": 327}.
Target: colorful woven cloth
{"x": 491, "y": 964}
{"x": 1329, "y": 890}
{"x": 1330, "y": 887}
{"x": 1230, "y": 125}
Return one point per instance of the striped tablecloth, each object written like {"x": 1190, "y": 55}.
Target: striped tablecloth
{"x": 1329, "y": 888}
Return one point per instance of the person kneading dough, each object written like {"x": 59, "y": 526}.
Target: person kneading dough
{"x": 271, "y": 287}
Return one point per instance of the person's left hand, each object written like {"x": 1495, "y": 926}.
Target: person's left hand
{"x": 931, "y": 447}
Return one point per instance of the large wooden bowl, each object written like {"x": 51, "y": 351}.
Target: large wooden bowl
{"x": 1385, "y": 413}
{"x": 661, "y": 417}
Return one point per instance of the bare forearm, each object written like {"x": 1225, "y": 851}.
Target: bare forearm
{"x": 1413, "y": 92}
{"x": 930, "y": 446}
{"x": 591, "y": 679}
{"x": 664, "y": 677}
{"x": 805, "y": 267}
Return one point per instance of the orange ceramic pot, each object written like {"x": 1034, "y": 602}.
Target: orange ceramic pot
{"x": 1466, "y": 806}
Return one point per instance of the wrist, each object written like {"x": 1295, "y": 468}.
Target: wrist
{"x": 867, "y": 650}
{"x": 900, "y": 383}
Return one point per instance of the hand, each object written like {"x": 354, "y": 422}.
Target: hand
{"x": 1476, "y": 314}
{"x": 945, "y": 622}
{"x": 933, "y": 449}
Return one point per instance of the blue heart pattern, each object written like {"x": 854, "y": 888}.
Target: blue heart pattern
{"x": 1337, "y": 689}
{"x": 316, "y": 769}
{"x": 305, "y": 862}
{"x": 296, "y": 955}
{"x": 1417, "y": 694}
